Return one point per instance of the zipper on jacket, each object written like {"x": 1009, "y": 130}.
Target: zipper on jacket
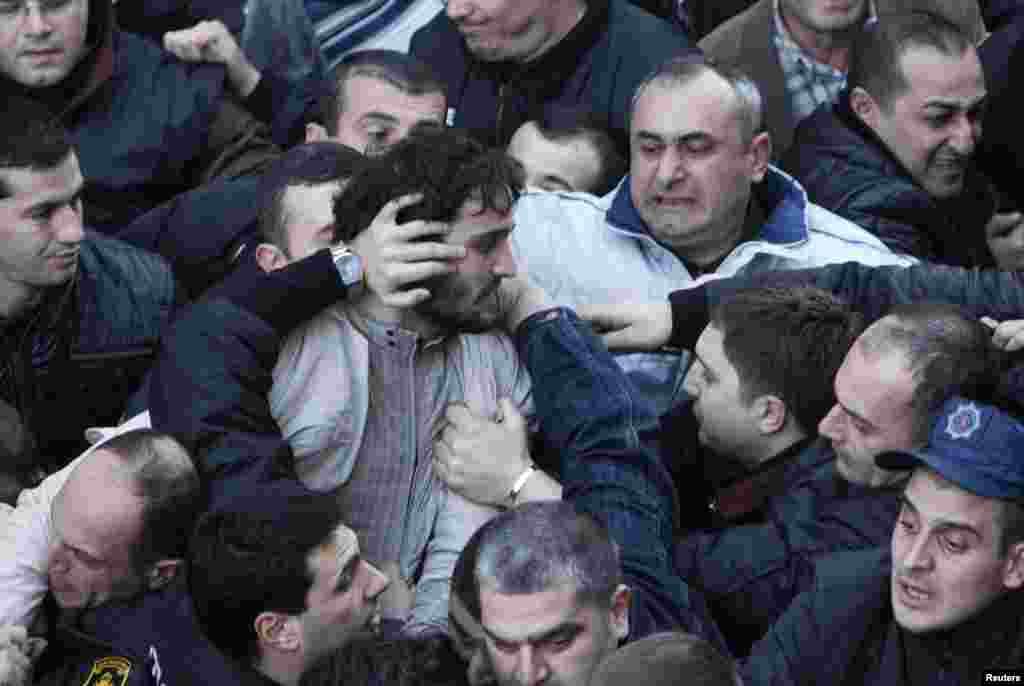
{"x": 501, "y": 113}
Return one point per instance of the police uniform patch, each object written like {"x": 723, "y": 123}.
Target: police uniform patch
{"x": 109, "y": 671}
{"x": 963, "y": 421}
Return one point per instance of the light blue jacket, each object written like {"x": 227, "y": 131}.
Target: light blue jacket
{"x": 587, "y": 250}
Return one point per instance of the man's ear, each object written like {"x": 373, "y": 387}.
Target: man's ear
{"x": 278, "y": 632}
{"x": 760, "y": 156}
{"x": 270, "y": 257}
{"x": 619, "y": 611}
{"x": 865, "y": 107}
{"x": 316, "y": 132}
{"x": 1013, "y": 571}
{"x": 163, "y": 573}
{"x": 770, "y": 413}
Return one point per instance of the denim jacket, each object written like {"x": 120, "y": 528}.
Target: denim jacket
{"x": 602, "y": 432}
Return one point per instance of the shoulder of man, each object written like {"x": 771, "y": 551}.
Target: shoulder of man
{"x": 111, "y": 263}
{"x": 724, "y": 43}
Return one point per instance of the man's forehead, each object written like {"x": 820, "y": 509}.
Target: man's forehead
{"x": 473, "y": 220}
{"x": 366, "y": 94}
{"x": 29, "y": 185}
{"x": 937, "y": 498}
{"x": 343, "y": 542}
{"x": 528, "y": 616}
{"x": 704, "y": 104}
{"x": 935, "y": 75}
{"x": 709, "y": 344}
{"x": 316, "y": 200}
{"x": 873, "y": 382}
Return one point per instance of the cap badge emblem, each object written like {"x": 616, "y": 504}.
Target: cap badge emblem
{"x": 964, "y": 421}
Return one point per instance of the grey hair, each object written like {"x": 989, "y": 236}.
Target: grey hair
{"x": 944, "y": 350}
{"x": 159, "y": 470}
{"x": 541, "y": 546}
{"x": 681, "y": 70}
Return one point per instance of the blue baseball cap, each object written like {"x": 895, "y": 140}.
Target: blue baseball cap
{"x": 976, "y": 446}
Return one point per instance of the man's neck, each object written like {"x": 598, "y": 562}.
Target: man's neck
{"x": 777, "y": 444}
{"x": 567, "y": 20}
{"x": 827, "y": 47}
{"x": 734, "y": 230}
{"x": 283, "y": 671}
{"x": 371, "y": 307}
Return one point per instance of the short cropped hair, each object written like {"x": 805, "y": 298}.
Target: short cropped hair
{"x": 398, "y": 69}
{"x": 159, "y": 471}
{"x": 666, "y": 659}
{"x": 560, "y": 124}
{"x": 540, "y": 546}
{"x": 309, "y": 164}
{"x": 30, "y": 138}
{"x": 788, "y": 342}
{"x": 681, "y": 70}
{"x": 446, "y": 166}
{"x": 875, "y": 59}
{"x": 945, "y": 351}
{"x": 396, "y": 661}
{"x": 251, "y": 555}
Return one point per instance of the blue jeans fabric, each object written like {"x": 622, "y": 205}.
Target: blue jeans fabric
{"x": 604, "y": 435}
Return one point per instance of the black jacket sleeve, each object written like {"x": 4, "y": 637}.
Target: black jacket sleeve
{"x": 874, "y": 290}
{"x": 211, "y": 380}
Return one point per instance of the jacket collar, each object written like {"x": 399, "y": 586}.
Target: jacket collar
{"x": 547, "y": 74}
{"x": 992, "y": 637}
{"x": 771, "y": 478}
{"x": 95, "y": 68}
{"x": 781, "y": 198}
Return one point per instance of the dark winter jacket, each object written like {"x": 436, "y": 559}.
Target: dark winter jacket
{"x": 872, "y": 290}
{"x": 153, "y": 639}
{"x": 73, "y": 361}
{"x": 218, "y": 409}
{"x": 144, "y": 125}
{"x": 751, "y": 573}
{"x": 845, "y": 168}
{"x": 843, "y": 633}
{"x": 597, "y": 66}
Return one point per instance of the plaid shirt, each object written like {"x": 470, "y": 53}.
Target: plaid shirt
{"x": 808, "y": 82}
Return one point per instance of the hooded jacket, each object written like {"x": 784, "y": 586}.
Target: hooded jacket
{"x": 144, "y": 125}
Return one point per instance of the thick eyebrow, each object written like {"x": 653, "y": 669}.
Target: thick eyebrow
{"x": 651, "y": 137}
{"x": 557, "y": 180}
{"x": 707, "y": 368}
{"x": 346, "y": 571}
{"x": 942, "y": 524}
{"x": 539, "y": 638}
{"x": 55, "y": 200}
{"x": 379, "y": 118}
{"x": 954, "y": 104}
{"x": 494, "y": 233}
{"x": 853, "y": 414}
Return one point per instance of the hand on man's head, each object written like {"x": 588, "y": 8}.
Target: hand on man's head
{"x": 396, "y": 257}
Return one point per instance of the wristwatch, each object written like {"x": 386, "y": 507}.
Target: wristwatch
{"x": 348, "y": 264}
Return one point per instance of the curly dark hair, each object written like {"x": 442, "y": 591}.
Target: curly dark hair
{"x": 446, "y": 166}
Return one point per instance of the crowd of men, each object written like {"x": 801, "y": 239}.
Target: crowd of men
{"x": 562, "y": 349}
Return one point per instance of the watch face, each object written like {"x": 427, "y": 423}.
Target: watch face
{"x": 351, "y": 268}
